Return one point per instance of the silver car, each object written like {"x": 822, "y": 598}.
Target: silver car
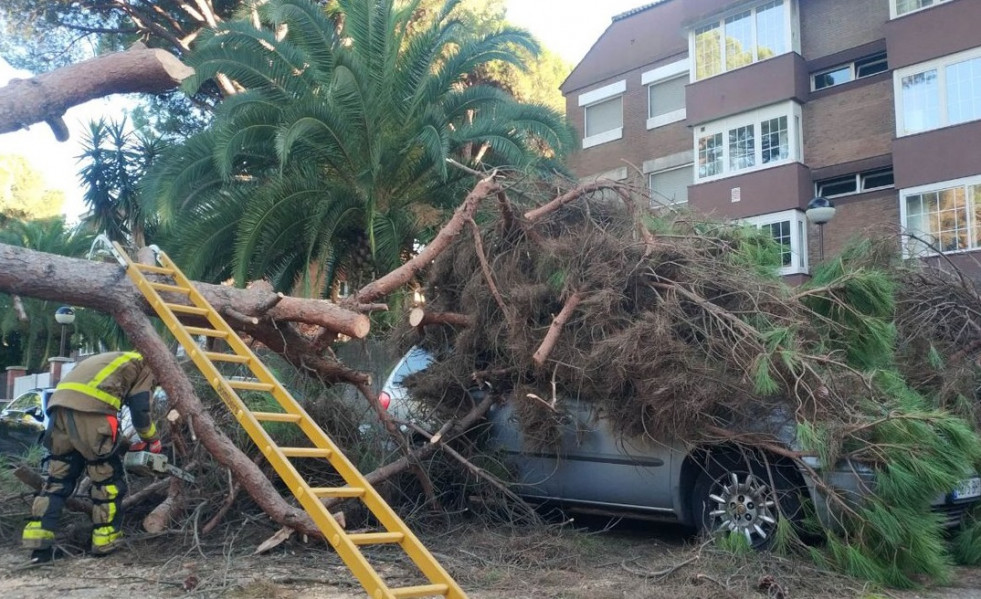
{"x": 597, "y": 470}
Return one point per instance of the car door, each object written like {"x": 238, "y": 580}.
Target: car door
{"x": 22, "y": 422}
{"x": 593, "y": 465}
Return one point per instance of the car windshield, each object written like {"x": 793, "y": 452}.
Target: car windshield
{"x": 417, "y": 359}
{"x": 25, "y": 402}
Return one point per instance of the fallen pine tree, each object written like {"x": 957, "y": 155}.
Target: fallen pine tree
{"x": 678, "y": 327}
{"x": 670, "y": 322}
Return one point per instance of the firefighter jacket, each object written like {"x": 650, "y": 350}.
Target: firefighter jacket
{"x": 104, "y": 383}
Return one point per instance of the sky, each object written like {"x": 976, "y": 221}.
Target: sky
{"x": 566, "y": 27}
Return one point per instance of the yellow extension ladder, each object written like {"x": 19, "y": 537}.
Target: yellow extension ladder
{"x": 346, "y": 544}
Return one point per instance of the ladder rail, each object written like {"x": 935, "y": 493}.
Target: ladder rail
{"x": 307, "y": 496}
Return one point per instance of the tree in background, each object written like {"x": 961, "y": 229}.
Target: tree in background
{"x": 114, "y": 159}
{"x": 29, "y": 334}
{"x": 22, "y": 191}
{"x": 334, "y": 157}
{"x": 536, "y": 80}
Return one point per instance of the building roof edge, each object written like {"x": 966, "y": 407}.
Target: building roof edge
{"x": 639, "y": 9}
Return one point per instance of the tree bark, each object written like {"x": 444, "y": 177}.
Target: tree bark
{"x": 420, "y": 317}
{"x": 400, "y": 276}
{"x": 552, "y": 336}
{"x": 46, "y": 97}
{"x": 569, "y": 196}
{"x": 99, "y": 285}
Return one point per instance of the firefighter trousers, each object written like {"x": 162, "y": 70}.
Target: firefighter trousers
{"x": 79, "y": 441}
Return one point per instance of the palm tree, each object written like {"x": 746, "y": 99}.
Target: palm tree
{"x": 35, "y": 340}
{"x": 338, "y": 145}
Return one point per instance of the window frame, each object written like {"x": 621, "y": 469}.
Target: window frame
{"x": 965, "y": 183}
{"x": 789, "y": 109}
{"x": 791, "y": 38}
{"x": 34, "y": 397}
{"x": 860, "y": 179}
{"x": 664, "y": 74}
{"x": 894, "y": 8}
{"x": 656, "y": 204}
{"x": 594, "y": 98}
{"x": 799, "y": 263}
{"x": 940, "y": 65}
{"x": 853, "y": 70}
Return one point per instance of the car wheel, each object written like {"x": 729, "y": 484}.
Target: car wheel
{"x": 738, "y": 493}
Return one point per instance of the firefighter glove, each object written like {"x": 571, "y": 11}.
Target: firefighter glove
{"x": 152, "y": 446}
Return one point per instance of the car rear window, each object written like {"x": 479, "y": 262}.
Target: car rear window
{"x": 417, "y": 359}
{"x": 25, "y": 402}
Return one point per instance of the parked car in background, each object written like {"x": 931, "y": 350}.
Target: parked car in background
{"x": 23, "y": 420}
{"x": 594, "y": 469}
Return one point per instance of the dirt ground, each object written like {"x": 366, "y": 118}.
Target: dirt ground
{"x": 578, "y": 560}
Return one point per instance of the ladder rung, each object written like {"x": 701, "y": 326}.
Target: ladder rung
{"x": 305, "y": 452}
{"x": 171, "y": 288}
{"x": 376, "y": 538}
{"x": 206, "y": 332}
{"x": 220, "y": 357}
{"x": 276, "y": 417}
{"x": 160, "y": 270}
{"x": 187, "y": 309}
{"x": 251, "y": 385}
{"x": 337, "y": 491}
{"x": 424, "y": 590}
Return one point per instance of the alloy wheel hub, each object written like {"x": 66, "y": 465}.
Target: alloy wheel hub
{"x": 744, "y": 504}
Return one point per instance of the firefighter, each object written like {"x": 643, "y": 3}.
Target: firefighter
{"x": 82, "y": 435}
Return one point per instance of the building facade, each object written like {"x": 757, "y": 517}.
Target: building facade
{"x": 749, "y": 109}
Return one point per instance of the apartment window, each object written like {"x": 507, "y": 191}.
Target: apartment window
{"x": 603, "y": 114}
{"x": 749, "y": 36}
{"x": 789, "y": 231}
{"x": 944, "y": 217}
{"x": 856, "y": 183}
{"x": 670, "y": 187}
{"x": 939, "y": 93}
{"x": 604, "y": 117}
{"x": 863, "y": 67}
{"x": 666, "y": 93}
{"x": 666, "y": 101}
{"x": 902, "y": 7}
{"x": 748, "y": 141}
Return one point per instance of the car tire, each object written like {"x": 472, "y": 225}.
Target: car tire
{"x": 739, "y": 492}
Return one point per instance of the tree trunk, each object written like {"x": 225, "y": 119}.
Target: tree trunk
{"x": 99, "y": 285}
{"x": 46, "y": 97}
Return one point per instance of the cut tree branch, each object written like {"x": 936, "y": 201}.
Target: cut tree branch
{"x": 419, "y": 317}
{"x": 24, "y": 102}
{"x": 97, "y": 285}
{"x": 552, "y": 336}
{"x": 569, "y": 196}
{"x": 390, "y": 282}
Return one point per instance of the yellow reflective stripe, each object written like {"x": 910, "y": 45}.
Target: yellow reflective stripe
{"x": 114, "y": 366}
{"x": 105, "y": 535}
{"x": 112, "y": 492}
{"x": 34, "y": 532}
{"x": 148, "y": 433}
{"x": 99, "y": 394}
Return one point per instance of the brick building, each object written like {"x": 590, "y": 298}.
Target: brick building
{"x": 749, "y": 109}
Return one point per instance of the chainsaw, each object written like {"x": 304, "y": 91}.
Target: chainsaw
{"x": 144, "y": 463}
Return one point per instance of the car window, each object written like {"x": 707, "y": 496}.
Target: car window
{"x": 25, "y": 402}
{"x": 417, "y": 359}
